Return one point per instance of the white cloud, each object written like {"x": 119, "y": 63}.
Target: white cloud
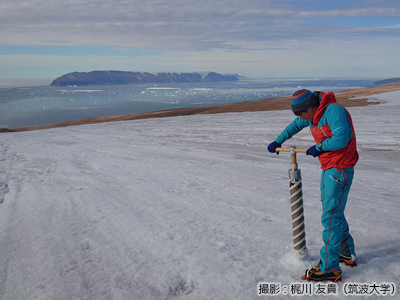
{"x": 351, "y": 13}
{"x": 165, "y": 24}
{"x": 252, "y": 37}
{"x": 290, "y": 58}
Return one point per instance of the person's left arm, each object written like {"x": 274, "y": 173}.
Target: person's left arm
{"x": 339, "y": 123}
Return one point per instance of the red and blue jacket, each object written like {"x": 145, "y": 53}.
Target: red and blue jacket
{"x": 332, "y": 126}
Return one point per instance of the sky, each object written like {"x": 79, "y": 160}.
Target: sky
{"x": 253, "y": 38}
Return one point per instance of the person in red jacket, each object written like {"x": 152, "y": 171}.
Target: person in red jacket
{"x": 332, "y": 128}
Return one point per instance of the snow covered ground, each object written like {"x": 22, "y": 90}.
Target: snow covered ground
{"x": 187, "y": 207}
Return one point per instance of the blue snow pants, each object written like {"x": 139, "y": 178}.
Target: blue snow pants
{"x": 335, "y": 187}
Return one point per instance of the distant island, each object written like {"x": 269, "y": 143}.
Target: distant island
{"x": 124, "y": 77}
{"x": 386, "y": 81}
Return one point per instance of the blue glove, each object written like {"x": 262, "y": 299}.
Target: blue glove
{"x": 313, "y": 151}
{"x": 273, "y": 146}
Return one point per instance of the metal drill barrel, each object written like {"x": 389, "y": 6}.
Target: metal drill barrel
{"x": 296, "y": 200}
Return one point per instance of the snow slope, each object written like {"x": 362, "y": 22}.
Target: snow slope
{"x": 187, "y": 207}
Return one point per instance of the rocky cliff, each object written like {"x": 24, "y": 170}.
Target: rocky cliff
{"x": 123, "y": 77}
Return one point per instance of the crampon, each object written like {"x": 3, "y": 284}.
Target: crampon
{"x": 315, "y": 274}
{"x": 349, "y": 260}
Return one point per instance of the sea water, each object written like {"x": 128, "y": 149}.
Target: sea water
{"x": 45, "y": 105}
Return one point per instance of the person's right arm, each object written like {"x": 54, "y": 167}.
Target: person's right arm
{"x": 295, "y": 127}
